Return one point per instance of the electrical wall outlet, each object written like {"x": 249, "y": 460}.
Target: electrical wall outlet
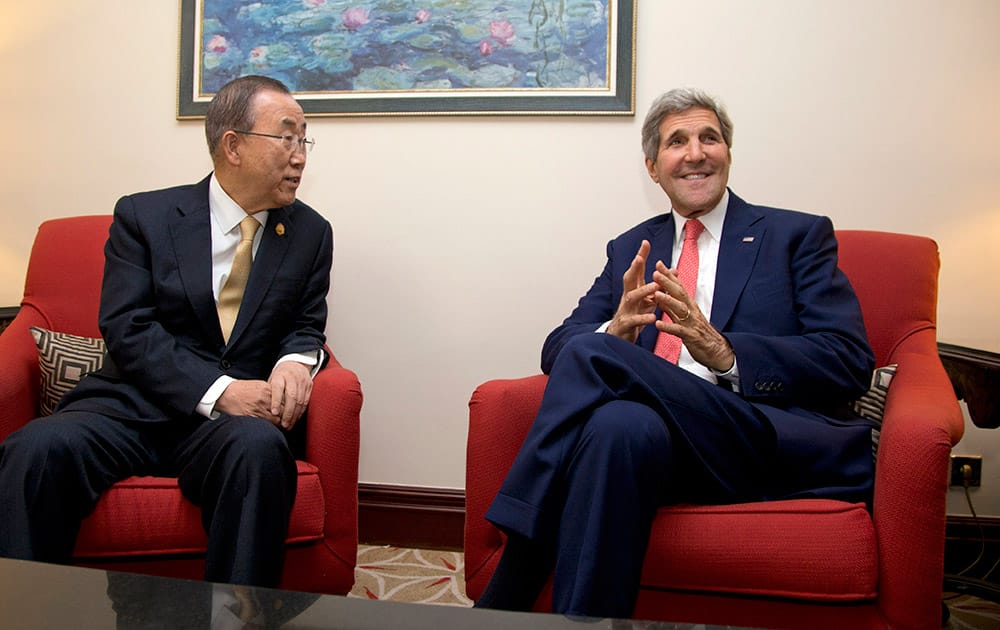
{"x": 959, "y": 472}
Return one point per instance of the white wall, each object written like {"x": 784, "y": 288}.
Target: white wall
{"x": 460, "y": 242}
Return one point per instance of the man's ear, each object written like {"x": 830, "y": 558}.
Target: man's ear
{"x": 230, "y": 145}
{"x": 651, "y": 169}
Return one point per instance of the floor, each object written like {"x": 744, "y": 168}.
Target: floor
{"x": 972, "y": 604}
{"x": 431, "y": 576}
{"x": 423, "y": 576}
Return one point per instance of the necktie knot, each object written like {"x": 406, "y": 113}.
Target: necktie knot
{"x": 248, "y": 228}
{"x": 693, "y": 229}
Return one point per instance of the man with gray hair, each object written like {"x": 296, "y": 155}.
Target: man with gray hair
{"x": 713, "y": 361}
{"x": 213, "y": 309}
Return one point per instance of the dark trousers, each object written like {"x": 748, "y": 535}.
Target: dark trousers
{"x": 619, "y": 433}
{"x": 239, "y": 470}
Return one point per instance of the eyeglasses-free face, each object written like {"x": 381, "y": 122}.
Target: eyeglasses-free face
{"x": 290, "y": 142}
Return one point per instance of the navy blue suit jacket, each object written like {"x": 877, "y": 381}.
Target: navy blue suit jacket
{"x": 789, "y": 313}
{"x": 158, "y": 314}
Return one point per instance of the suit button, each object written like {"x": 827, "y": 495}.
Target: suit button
{"x": 759, "y": 386}
{"x": 226, "y": 364}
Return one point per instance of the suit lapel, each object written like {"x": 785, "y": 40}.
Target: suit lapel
{"x": 190, "y": 232}
{"x": 274, "y": 243}
{"x": 742, "y": 234}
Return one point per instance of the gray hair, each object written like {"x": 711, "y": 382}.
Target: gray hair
{"x": 231, "y": 108}
{"x": 674, "y": 102}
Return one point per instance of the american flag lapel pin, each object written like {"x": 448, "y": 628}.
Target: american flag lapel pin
{"x": 748, "y": 239}
{"x": 279, "y": 229}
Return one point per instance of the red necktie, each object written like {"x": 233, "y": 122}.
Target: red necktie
{"x": 669, "y": 346}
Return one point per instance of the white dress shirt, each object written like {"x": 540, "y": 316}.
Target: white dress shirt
{"x": 708, "y": 262}
{"x": 226, "y": 217}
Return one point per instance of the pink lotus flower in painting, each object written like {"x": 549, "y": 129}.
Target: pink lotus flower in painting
{"x": 258, "y": 57}
{"x": 312, "y": 4}
{"x": 502, "y": 32}
{"x": 485, "y": 49}
{"x": 423, "y": 15}
{"x": 218, "y": 44}
{"x": 355, "y": 17}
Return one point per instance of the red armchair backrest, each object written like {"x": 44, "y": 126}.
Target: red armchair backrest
{"x": 895, "y": 278}
{"x": 63, "y": 282}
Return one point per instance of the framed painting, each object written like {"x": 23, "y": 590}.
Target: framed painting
{"x": 416, "y": 57}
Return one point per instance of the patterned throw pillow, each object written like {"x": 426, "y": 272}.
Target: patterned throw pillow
{"x": 871, "y": 405}
{"x": 64, "y": 359}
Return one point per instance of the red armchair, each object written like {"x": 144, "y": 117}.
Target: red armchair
{"x": 143, "y": 524}
{"x": 802, "y": 563}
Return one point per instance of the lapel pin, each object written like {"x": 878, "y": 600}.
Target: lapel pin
{"x": 279, "y": 229}
{"x": 748, "y": 239}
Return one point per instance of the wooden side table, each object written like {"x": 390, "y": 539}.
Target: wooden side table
{"x": 7, "y": 314}
{"x": 975, "y": 375}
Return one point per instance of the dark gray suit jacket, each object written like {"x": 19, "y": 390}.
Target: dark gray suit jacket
{"x": 158, "y": 313}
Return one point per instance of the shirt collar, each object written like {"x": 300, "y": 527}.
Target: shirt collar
{"x": 226, "y": 212}
{"x": 712, "y": 220}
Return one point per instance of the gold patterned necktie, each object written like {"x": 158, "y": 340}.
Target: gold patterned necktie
{"x": 232, "y": 292}
{"x": 669, "y": 346}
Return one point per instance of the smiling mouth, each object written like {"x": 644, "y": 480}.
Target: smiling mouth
{"x": 293, "y": 180}
{"x": 695, "y": 176}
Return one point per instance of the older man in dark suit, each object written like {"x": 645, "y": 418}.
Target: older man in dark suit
{"x": 725, "y": 377}
{"x": 213, "y": 308}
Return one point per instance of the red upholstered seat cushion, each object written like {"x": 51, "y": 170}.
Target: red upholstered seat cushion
{"x": 829, "y": 556}
{"x": 142, "y": 516}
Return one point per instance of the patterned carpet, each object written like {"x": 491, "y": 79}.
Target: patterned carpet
{"x": 973, "y": 603}
{"x": 424, "y": 576}
{"x": 972, "y": 613}
{"x": 429, "y": 576}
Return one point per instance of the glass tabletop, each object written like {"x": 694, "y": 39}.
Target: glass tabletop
{"x": 39, "y": 595}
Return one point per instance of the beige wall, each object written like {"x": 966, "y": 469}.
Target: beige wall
{"x": 460, "y": 242}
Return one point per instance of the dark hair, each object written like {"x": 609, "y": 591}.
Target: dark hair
{"x": 231, "y": 107}
{"x": 676, "y": 101}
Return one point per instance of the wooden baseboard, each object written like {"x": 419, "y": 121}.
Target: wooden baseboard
{"x": 411, "y": 516}
{"x": 966, "y": 528}
{"x": 972, "y": 546}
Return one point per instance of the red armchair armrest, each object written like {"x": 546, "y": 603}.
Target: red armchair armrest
{"x": 500, "y": 414}
{"x": 332, "y": 445}
{"x": 922, "y": 422}
{"x": 19, "y": 380}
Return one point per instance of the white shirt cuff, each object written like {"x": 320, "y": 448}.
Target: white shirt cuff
{"x": 731, "y": 376}
{"x": 313, "y": 360}
{"x": 206, "y": 407}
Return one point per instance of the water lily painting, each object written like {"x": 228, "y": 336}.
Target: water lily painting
{"x": 419, "y": 57}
